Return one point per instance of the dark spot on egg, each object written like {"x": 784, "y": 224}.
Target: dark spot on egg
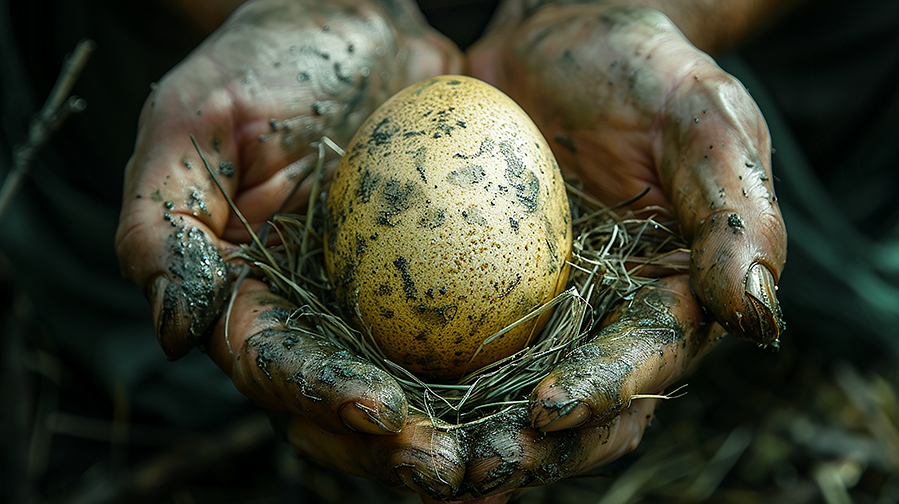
{"x": 367, "y": 184}
{"x": 467, "y": 176}
{"x": 408, "y": 284}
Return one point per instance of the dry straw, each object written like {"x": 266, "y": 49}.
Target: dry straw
{"x": 610, "y": 246}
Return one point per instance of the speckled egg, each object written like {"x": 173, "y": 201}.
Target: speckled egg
{"x": 447, "y": 220}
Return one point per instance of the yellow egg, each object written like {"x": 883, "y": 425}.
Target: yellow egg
{"x": 448, "y": 220}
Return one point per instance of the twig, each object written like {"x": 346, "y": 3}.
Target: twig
{"x": 58, "y": 107}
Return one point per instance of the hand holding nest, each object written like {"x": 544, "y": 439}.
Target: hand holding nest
{"x": 627, "y": 104}
{"x": 277, "y": 76}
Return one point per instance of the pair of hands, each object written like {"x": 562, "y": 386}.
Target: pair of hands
{"x": 625, "y": 101}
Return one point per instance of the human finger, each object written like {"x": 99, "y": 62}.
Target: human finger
{"x": 421, "y": 457}
{"x": 646, "y": 343}
{"x": 279, "y": 359}
{"x": 716, "y": 163}
{"x": 507, "y": 453}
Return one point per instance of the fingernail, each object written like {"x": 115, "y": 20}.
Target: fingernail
{"x": 373, "y": 420}
{"x": 761, "y": 293}
{"x": 155, "y": 294}
{"x": 172, "y": 317}
{"x": 423, "y": 484}
{"x": 155, "y": 290}
{"x": 550, "y": 416}
{"x": 393, "y": 411}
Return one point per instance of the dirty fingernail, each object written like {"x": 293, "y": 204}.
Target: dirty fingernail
{"x": 173, "y": 318}
{"x": 154, "y": 292}
{"x": 767, "y": 318}
{"x": 372, "y": 420}
{"x": 423, "y": 484}
{"x": 553, "y": 417}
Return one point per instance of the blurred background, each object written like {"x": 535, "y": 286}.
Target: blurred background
{"x": 91, "y": 412}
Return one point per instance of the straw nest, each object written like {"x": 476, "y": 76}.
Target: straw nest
{"x": 610, "y": 246}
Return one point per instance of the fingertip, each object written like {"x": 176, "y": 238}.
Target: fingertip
{"x": 765, "y": 317}
{"x": 429, "y": 460}
{"x": 387, "y": 417}
{"x": 362, "y": 397}
{"x": 172, "y": 318}
{"x": 572, "y": 414}
{"x": 552, "y": 407}
{"x": 734, "y": 274}
{"x": 748, "y": 307}
{"x": 185, "y": 312}
{"x": 426, "y": 486}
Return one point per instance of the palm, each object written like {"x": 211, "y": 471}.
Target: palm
{"x": 628, "y": 104}
{"x": 256, "y": 107}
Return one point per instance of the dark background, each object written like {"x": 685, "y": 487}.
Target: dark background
{"x": 89, "y": 409}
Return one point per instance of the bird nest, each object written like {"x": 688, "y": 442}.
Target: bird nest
{"x": 610, "y": 246}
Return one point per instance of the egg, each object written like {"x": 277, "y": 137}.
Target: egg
{"x": 447, "y": 220}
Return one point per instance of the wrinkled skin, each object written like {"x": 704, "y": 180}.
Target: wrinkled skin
{"x": 626, "y": 103}
{"x": 645, "y": 109}
{"x": 276, "y": 77}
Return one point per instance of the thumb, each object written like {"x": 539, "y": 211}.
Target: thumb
{"x": 168, "y": 239}
{"x": 716, "y": 166}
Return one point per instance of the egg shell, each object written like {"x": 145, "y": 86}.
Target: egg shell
{"x": 447, "y": 220}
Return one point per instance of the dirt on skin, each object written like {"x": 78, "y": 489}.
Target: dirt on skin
{"x": 195, "y": 299}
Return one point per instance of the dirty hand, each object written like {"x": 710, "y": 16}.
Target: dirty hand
{"x": 277, "y": 76}
{"x": 628, "y": 103}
